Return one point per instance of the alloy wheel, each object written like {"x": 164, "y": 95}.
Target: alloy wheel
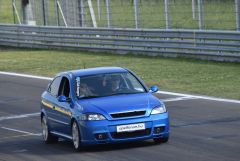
{"x": 75, "y": 135}
{"x": 44, "y": 128}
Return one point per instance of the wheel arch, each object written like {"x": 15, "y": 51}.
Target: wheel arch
{"x": 79, "y": 127}
{"x": 72, "y": 120}
{"x": 43, "y": 113}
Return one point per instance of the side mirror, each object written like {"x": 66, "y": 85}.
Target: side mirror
{"x": 62, "y": 98}
{"x": 153, "y": 89}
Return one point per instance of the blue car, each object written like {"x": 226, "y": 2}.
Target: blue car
{"x": 102, "y": 105}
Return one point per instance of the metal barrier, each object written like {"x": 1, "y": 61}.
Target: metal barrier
{"x": 210, "y": 45}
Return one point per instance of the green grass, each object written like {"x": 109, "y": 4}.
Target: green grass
{"x": 217, "y": 14}
{"x": 179, "y": 75}
{"x": 6, "y": 14}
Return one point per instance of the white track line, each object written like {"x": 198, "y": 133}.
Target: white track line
{"x": 25, "y": 75}
{"x": 200, "y": 97}
{"x": 177, "y": 99}
{"x": 160, "y": 92}
{"x": 15, "y": 136}
{"x": 20, "y": 131}
{"x": 19, "y": 116}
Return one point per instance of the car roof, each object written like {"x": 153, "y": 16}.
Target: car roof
{"x": 93, "y": 71}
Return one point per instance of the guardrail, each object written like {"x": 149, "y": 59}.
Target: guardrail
{"x": 210, "y": 45}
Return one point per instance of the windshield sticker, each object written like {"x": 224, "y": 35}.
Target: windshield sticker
{"x": 78, "y": 86}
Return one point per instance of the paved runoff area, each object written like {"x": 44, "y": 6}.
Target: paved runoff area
{"x": 202, "y": 129}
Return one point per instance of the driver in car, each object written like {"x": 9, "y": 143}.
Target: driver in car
{"x": 84, "y": 90}
{"x": 115, "y": 83}
{"x": 111, "y": 84}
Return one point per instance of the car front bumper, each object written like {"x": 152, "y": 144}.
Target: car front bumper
{"x": 105, "y": 131}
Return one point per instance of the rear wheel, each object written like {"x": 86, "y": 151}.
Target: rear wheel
{"x": 47, "y": 136}
{"x": 161, "y": 140}
{"x": 76, "y": 138}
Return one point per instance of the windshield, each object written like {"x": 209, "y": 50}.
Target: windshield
{"x": 102, "y": 85}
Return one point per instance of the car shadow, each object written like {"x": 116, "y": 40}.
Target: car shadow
{"x": 118, "y": 146}
{"x": 37, "y": 147}
{"x": 106, "y": 147}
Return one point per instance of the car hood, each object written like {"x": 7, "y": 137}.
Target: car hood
{"x": 120, "y": 103}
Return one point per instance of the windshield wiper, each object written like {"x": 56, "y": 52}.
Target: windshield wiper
{"x": 119, "y": 93}
{"x": 87, "y": 97}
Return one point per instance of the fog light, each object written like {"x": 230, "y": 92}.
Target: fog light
{"x": 101, "y": 136}
{"x": 158, "y": 130}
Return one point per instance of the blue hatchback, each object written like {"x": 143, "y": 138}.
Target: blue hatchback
{"x": 102, "y": 105}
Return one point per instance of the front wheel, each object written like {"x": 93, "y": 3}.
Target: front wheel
{"x": 161, "y": 140}
{"x": 47, "y": 136}
{"x": 76, "y": 138}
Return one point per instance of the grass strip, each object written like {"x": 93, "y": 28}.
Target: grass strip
{"x": 220, "y": 79}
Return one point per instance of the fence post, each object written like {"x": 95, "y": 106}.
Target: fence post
{"x": 99, "y": 9}
{"x": 237, "y": 4}
{"x": 136, "y": 13}
{"x": 200, "y": 14}
{"x": 44, "y": 13}
{"x": 56, "y": 12}
{"x": 92, "y": 14}
{"x": 194, "y": 9}
{"x": 109, "y": 17}
{"x": 62, "y": 14}
{"x": 14, "y": 18}
{"x": 82, "y": 13}
{"x": 16, "y": 12}
{"x": 166, "y": 2}
{"x": 63, "y": 10}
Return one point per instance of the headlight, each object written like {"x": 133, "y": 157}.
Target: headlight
{"x": 158, "y": 110}
{"x": 92, "y": 117}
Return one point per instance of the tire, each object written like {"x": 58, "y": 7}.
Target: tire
{"x": 47, "y": 136}
{"x": 161, "y": 140}
{"x": 76, "y": 137}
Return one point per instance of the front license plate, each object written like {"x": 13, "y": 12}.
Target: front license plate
{"x": 131, "y": 127}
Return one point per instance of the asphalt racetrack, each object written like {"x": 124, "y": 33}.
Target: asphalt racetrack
{"x": 201, "y": 130}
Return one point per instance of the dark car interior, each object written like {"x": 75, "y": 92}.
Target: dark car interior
{"x": 64, "y": 88}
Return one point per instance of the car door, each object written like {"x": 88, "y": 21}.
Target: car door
{"x": 50, "y": 102}
{"x": 63, "y": 109}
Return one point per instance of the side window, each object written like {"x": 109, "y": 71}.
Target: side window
{"x": 64, "y": 88}
{"x": 53, "y": 88}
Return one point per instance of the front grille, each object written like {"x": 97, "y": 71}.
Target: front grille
{"x": 128, "y": 114}
{"x": 132, "y": 134}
